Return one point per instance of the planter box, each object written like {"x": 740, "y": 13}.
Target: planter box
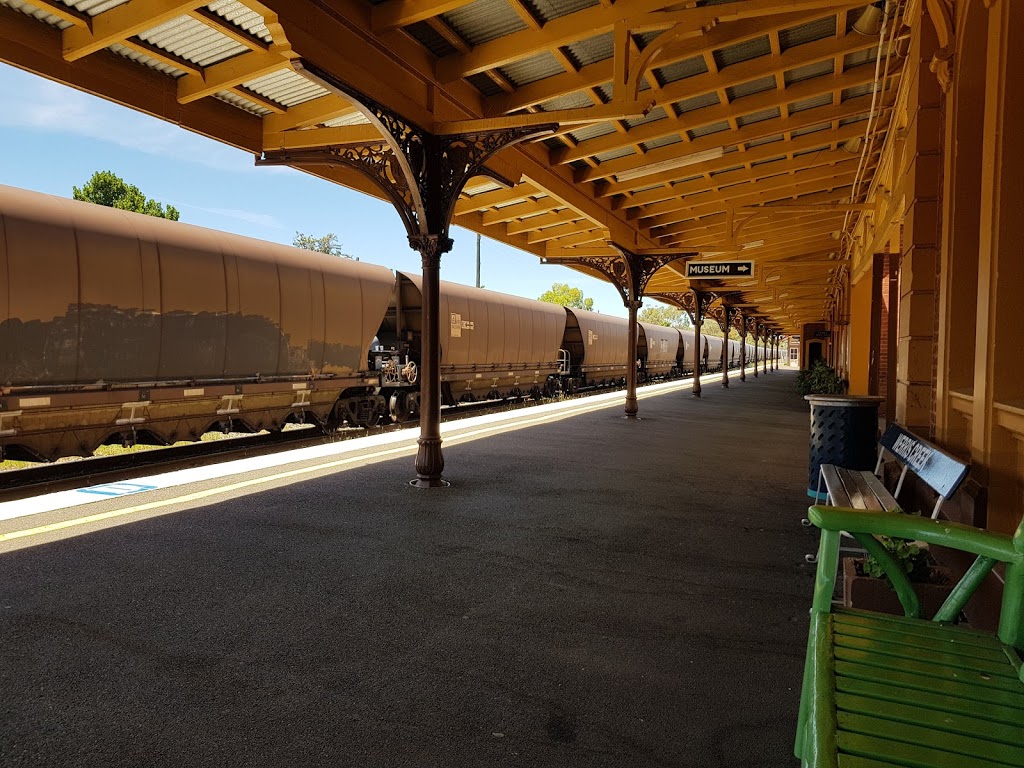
{"x": 873, "y": 594}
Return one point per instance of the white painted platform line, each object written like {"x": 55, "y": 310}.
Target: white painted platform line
{"x": 472, "y": 427}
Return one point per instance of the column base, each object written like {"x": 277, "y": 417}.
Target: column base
{"x": 429, "y": 464}
{"x": 429, "y": 482}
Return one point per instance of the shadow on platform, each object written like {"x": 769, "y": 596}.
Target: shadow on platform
{"x": 592, "y": 592}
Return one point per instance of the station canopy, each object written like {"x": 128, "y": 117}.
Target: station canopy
{"x": 736, "y": 130}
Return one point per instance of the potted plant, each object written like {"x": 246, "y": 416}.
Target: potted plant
{"x": 820, "y": 379}
{"x": 865, "y": 584}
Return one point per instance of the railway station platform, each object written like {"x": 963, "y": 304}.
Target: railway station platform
{"x": 590, "y": 591}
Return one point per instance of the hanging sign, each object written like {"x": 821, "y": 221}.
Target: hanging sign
{"x": 718, "y": 270}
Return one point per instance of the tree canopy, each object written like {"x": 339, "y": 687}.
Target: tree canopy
{"x": 668, "y": 316}
{"x": 567, "y": 296}
{"x": 329, "y": 244}
{"x": 109, "y": 189}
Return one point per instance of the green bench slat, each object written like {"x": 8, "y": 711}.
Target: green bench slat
{"x": 925, "y": 697}
{"x": 945, "y": 722}
{"x": 954, "y": 688}
{"x": 853, "y": 761}
{"x": 968, "y": 664}
{"x": 927, "y": 669}
{"x": 890, "y": 635}
{"x": 906, "y": 755}
{"x": 914, "y": 626}
{"x": 906, "y": 737}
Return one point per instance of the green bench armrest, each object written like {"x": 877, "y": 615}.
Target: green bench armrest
{"x": 943, "y": 533}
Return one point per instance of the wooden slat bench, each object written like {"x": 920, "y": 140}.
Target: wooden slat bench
{"x": 860, "y": 489}
{"x": 883, "y": 690}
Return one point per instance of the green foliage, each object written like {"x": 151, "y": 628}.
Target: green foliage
{"x": 567, "y": 296}
{"x": 911, "y": 558}
{"x": 670, "y": 317}
{"x": 109, "y": 189}
{"x": 329, "y": 244}
{"x": 820, "y": 380}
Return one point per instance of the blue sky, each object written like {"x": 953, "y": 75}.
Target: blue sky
{"x": 55, "y": 137}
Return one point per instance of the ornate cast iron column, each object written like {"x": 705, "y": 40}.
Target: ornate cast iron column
{"x": 422, "y": 174}
{"x": 696, "y": 304}
{"x": 724, "y": 316}
{"x": 630, "y": 273}
{"x": 740, "y": 321}
{"x": 756, "y": 328}
{"x": 764, "y": 360}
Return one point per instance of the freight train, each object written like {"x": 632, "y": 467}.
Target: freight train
{"x": 121, "y": 328}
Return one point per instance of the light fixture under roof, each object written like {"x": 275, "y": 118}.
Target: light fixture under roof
{"x": 773, "y": 278}
{"x": 670, "y": 165}
{"x": 870, "y": 21}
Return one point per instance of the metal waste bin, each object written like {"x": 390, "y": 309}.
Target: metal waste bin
{"x": 844, "y": 432}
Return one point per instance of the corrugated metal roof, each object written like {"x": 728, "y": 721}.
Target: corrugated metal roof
{"x": 353, "y": 118}
{"x": 546, "y": 10}
{"x": 860, "y": 57}
{"x": 593, "y": 131}
{"x": 242, "y": 103}
{"x": 806, "y": 72}
{"x": 680, "y": 70}
{"x": 484, "y": 84}
{"x": 430, "y": 39}
{"x": 807, "y": 33}
{"x": 614, "y": 154}
{"x": 481, "y": 186}
{"x": 707, "y": 130}
{"x": 193, "y": 41}
{"x": 748, "y": 49}
{"x": 749, "y": 88}
{"x": 36, "y": 13}
{"x": 577, "y": 100}
{"x": 93, "y": 7}
{"x": 695, "y": 102}
{"x": 654, "y": 115}
{"x": 811, "y": 129}
{"x": 532, "y": 69}
{"x": 854, "y": 119}
{"x": 591, "y": 50}
{"x": 757, "y": 117}
{"x": 286, "y": 87}
{"x": 484, "y": 20}
{"x": 663, "y": 141}
{"x": 141, "y": 58}
{"x": 810, "y": 103}
{"x": 857, "y": 90}
{"x": 242, "y": 16}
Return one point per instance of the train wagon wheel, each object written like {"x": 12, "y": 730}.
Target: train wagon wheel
{"x": 399, "y": 407}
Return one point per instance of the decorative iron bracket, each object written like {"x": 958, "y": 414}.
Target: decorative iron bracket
{"x": 629, "y": 272}
{"x": 421, "y": 173}
{"x": 724, "y": 315}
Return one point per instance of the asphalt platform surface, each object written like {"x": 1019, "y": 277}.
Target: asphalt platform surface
{"x": 590, "y": 592}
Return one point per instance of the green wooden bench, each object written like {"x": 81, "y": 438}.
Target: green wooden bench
{"x": 882, "y": 690}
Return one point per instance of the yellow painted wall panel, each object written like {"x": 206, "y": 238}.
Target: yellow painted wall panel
{"x": 860, "y": 335}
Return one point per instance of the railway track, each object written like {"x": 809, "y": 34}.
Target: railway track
{"x": 48, "y": 478}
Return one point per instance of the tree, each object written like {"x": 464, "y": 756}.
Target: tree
{"x": 567, "y": 296}
{"x": 109, "y": 189}
{"x": 667, "y": 316}
{"x": 329, "y": 244}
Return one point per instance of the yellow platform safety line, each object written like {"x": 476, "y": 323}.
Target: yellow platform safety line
{"x": 101, "y": 516}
